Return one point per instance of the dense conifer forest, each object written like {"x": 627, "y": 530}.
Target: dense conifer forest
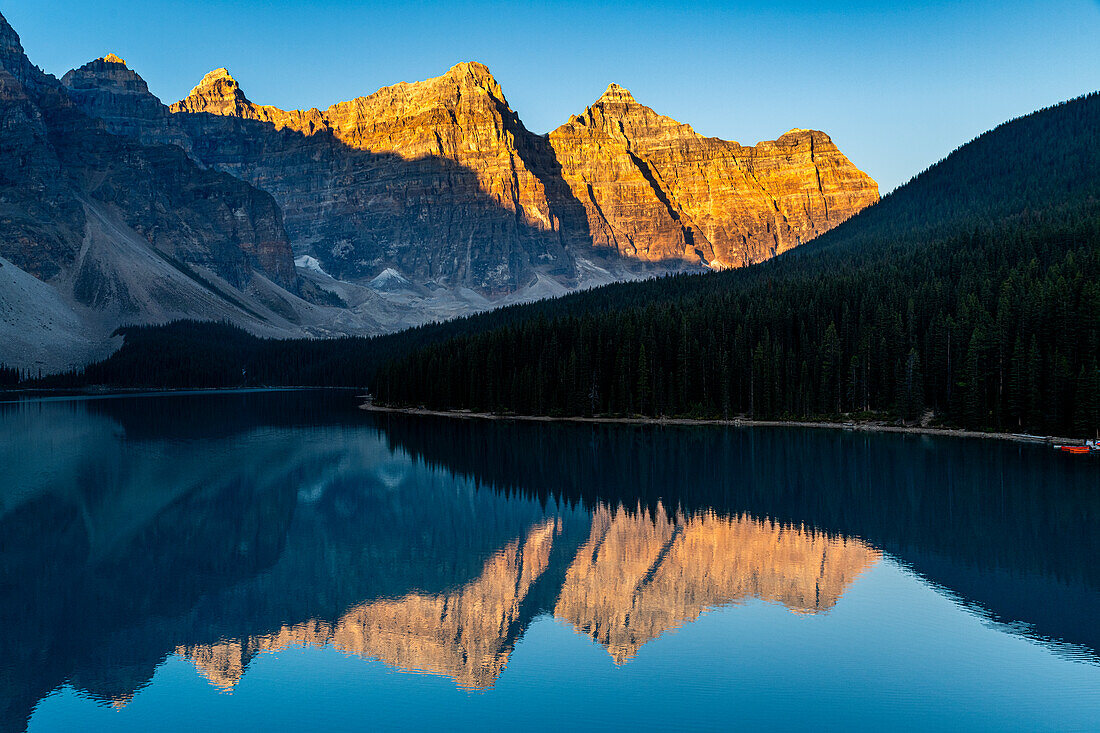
{"x": 9, "y": 377}
{"x": 972, "y": 292}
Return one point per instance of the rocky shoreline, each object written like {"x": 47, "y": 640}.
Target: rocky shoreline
{"x": 872, "y": 427}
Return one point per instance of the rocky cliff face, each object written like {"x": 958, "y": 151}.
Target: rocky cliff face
{"x": 440, "y": 181}
{"x": 59, "y": 163}
{"x": 41, "y": 220}
{"x": 654, "y": 189}
{"x": 119, "y": 230}
{"x": 433, "y": 179}
{"x": 107, "y": 89}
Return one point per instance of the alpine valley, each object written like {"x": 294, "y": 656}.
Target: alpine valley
{"x": 420, "y": 202}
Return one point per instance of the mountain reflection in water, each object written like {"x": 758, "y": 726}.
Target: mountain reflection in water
{"x": 635, "y": 577}
{"x": 220, "y": 527}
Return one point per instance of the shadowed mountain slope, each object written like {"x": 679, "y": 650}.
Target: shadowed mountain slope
{"x": 119, "y": 231}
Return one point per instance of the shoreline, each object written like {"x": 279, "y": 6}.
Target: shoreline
{"x": 736, "y": 422}
{"x": 14, "y": 395}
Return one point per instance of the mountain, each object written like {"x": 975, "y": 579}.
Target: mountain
{"x": 108, "y": 90}
{"x": 620, "y": 180}
{"x": 655, "y": 190}
{"x": 440, "y": 181}
{"x": 970, "y": 291}
{"x": 435, "y": 179}
{"x": 71, "y": 173}
{"x": 98, "y": 230}
{"x": 419, "y": 202}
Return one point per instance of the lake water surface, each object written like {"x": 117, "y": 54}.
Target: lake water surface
{"x": 283, "y": 561}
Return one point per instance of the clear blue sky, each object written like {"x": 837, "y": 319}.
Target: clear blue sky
{"x": 897, "y": 84}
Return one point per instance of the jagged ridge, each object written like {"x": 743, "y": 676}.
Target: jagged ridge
{"x": 440, "y": 180}
{"x": 120, "y": 230}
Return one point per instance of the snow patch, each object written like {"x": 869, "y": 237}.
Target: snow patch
{"x": 389, "y": 280}
{"x": 308, "y": 262}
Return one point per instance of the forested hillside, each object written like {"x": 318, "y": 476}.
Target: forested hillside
{"x": 973, "y": 291}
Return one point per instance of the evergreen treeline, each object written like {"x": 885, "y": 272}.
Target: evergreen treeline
{"x": 9, "y": 377}
{"x": 973, "y": 291}
{"x": 193, "y": 354}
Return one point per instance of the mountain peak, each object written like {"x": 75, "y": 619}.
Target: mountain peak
{"x": 9, "y": 39}
{"x": 474, "y": 68}
{"x": 107, "y": 73}
{"x": 617, "y": 94}
{"x": 219, "y": 73}
{"x": 217, "y": 79}
{"x": 12, "y": 58}
{"x": 217, "y": 93}
{"x": 478, "y": 73}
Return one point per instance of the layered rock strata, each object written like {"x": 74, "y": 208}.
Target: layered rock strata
{"x": 441, "y": 181}
{"x": 436, "y": 179}
{"x": 654, "y": 189}
{"x": 63, "y": 176}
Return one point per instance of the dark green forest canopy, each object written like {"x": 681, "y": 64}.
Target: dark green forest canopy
{"x": 972, "y": 291}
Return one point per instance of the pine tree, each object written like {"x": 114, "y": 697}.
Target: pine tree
{"x": 912, "y": 397}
